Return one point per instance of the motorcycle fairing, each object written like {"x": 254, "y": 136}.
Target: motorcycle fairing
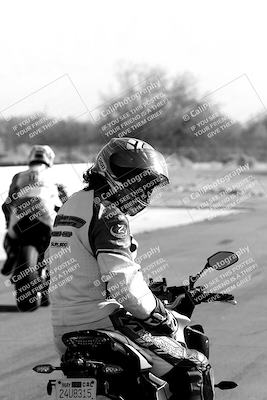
{"x": 196, "y": 339}
{"x": 84, "y": 348}
{"x": 165, "y": 347}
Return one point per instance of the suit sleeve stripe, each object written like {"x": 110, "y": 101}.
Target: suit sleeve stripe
{"x": 110, "y": 251}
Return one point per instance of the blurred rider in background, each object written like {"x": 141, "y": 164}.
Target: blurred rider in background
{"x": 96, "y": 232}
{"x": 32, "y": 202}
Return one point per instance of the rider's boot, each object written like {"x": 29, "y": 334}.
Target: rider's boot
{"x": 11, "y": 247}
{"x": 45, "y": 284}
{"x": 190, "y": 383}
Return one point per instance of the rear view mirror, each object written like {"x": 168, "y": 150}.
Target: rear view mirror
{"x": 222, "y": 259}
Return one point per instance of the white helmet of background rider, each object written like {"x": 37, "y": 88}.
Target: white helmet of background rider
{"x": 132, "y": 169}
{"x": 41, "y": 154}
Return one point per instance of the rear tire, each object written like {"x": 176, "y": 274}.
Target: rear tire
{"x": 44, "y": 292}
{"x": 26, "y": 281}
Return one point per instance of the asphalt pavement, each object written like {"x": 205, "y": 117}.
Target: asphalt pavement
{"x": 237, "y": 333}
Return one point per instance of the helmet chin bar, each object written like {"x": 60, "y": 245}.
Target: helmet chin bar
{"x": 131, "y": 199}
{"x": 132, "y": 211}
{"x": 133, "y": 205}
{"x": 136, "y": 206}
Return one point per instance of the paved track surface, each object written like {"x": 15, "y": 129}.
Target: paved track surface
{"x": 238, "y": 333}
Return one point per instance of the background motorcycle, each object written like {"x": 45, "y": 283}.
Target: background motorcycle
{"x": 102, "y": 364}
{"x": 31, "y": 281}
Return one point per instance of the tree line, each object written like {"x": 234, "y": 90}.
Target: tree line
{"x": 182, "y": 123}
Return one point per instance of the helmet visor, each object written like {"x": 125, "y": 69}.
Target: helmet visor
{"x": 125, "y": 162}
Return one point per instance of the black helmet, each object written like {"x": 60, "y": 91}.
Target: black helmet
{"x": 132, "y": 169}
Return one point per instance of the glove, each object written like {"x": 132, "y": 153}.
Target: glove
{"x": 62, "y": 193}
{"x": 161, "y": 320}
{"x": 198, "y": 295}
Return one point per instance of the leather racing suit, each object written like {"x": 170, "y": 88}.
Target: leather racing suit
{"x": 33, "y": 194}
{"x": 30, "y": 210}
{"x": 93, "y": 273}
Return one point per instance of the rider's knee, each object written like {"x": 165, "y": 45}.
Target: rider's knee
{"x": 10, "y": 244}
{"x": 198, "y": 358}
{"x": 179, "y": 382}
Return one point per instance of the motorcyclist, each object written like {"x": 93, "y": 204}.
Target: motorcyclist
{"x": 30, "y": 207}
{"x": 93, "y": 225}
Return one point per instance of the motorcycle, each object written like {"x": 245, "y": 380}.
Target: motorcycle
{"x": 29, "y": 274}
{"x": 105, "y": 365}
{"x": 29, "y": 277}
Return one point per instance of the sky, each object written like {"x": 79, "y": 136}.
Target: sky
{"x": 59, "y": 56}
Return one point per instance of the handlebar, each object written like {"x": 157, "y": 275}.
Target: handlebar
{"x": 183, "y": 300}
{"x": 209, "y": 297}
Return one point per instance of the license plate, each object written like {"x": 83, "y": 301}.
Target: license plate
{"x": 76, "y": 388}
